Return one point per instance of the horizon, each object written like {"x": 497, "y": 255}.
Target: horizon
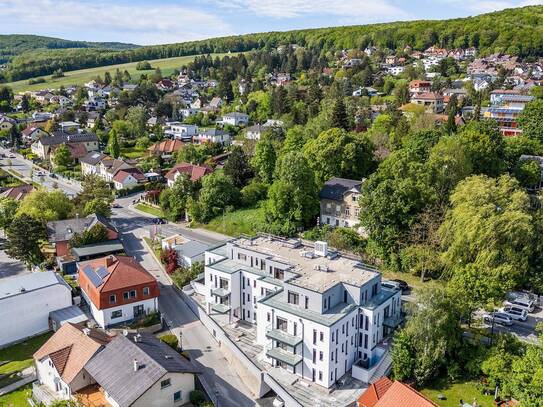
{"x": 141, "y": 23}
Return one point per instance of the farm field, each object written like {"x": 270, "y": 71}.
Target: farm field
{"x": 79, "y": 77}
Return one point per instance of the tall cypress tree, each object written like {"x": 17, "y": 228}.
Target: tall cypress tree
{"x": 339, "y": 115}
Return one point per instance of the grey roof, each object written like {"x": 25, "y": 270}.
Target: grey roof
{"x": 25, "y": 283}
{"x": 62, "y": 230}
{"x": 71, "y": 314}
{"x": 93, "y": 158}
{"x": 113, "y": 368}
{"x": 335, "y": 188}
{"x": 192, "y": 248}
{"x": 60, "y": 137}
{"x": 212, "y": 132}
{"x": 108, "y": 247}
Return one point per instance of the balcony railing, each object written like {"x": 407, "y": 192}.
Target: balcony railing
{"x": 221, "y": 308}
{"x": 282, "y": 336}
{"x": 283, "y": 356}
{"x": 220, "y": 292}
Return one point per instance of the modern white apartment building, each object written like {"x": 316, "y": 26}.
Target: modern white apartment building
{"x": 318, "y": 314}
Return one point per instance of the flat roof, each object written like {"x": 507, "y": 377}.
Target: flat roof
{"x": 108, "y": 247}
{"x": 310, "y": 269}
{"x": 25, "y": 283}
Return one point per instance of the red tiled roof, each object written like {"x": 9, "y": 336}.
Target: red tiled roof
{"x": 17, "y": 193}
{"x": 166, "y": 146}
{"x": 60, "y": 358}
{"x": 121, "y": 175}
{"x": 29, "y": 130}
{"x": 393, "y": 395}
{"x": 373, "y": 393}
{"x": 428, "y": 96}
{"x": 194, "y": 171}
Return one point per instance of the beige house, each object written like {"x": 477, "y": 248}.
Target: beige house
{"x": 81, "y": 141}
{"x": 339, "y": 202}
{"x": 432, "y": 102}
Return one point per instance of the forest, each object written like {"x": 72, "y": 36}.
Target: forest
{"x": 516, "y": 31}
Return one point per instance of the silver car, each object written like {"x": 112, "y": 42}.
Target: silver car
{"x": 516, "y": 313}
{"x": 499, "y": 318}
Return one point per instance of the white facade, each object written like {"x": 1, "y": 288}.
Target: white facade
{"x": 235, "y": 119}
{"x": 316, "y": 313}
{"x": 48, "y": 375}
{"x": 115, "y": 315}
{"x": 181, "y": 131}
{"x": 27, "y": 300}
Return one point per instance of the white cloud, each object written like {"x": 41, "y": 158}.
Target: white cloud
{"x": 88, "y": 20}
{"x": 366, "y": 10}
{"x": 487, "y": 6}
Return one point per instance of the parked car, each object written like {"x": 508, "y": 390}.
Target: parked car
{"x": 402, "y": 284}
{"x": 391, "y": 285}
{"x": 522, "y": 302}
{"x": 516, "y": 313}
{"x": 498, "y": 318}
{"x": 40, "y": 173}
{"x": 160, "y": 221}
{"x": 116, "y": 205}
{"x": 11, "y": 155}
{"x": 53, "y": 175}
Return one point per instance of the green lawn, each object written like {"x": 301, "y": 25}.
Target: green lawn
{"x": 157, "y": 249}
{"x": 467, "y": 391}
{"x": 242, "y": 221}
{"x": 150, "y": 210}
{"x": 17, "y": 398}
{"x": 79, "y": 77}
{"x": 19, "y": 357}
{"x": 133, "y": 152}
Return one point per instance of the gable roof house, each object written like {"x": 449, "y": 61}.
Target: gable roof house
{"x": 6, "y": 123}
{"x": 43, "y": 147}
{"x": 235, "y": 119}
{"x": 195, "y": 172}
{"x": 122, "y": 174}
{"x": 61, "y": 360}
{"x": 387, "y": 393}
{"x": 17, "y": 193}
{"x": 213, "y": 136}
{"x": 128, "y": 178}
{"x": 339, "y": 202}
{"x": 165, "y": 147}
{"x": 33, "y": 133}
{"x": 26, "y": 301}
{"x": 139, "y": 370}
{"x": 117, "y": 289}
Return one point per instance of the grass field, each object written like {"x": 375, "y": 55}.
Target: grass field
{"x": 133, "y": 152}
{"x": 19, "y": 357}
{"x": 167, "y": 66}
{"x": 17, "y": 398}
{"x": 242, "y": 221}
{"x": 150, "y": 210}
{"x": 453, "y": 392}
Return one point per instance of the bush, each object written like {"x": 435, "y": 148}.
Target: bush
{"x": 252, "y": 193}
{"x": 170, "y": 340}
{"x": 143, "y": 66}
{"x": 197, "y": 397}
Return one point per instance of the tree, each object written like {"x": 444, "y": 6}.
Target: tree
{"x": 339, "y": 116}
{"x": 143, "y": 66}
{"x": 217, "y": 194}
{"x": 528, "y": 173}
{"x": 237, "y": 167}
{"x": 24, "y": 236}
{"x": 113, "y": 147}
{"x": 488, "y": 236}
{"x": 25, "y": 103}
{"x": 181, "y": 190}
{"x": 531, "y": 120}
{"x": 8, "y": 209}
{"x": 292, "y": 198}
{"x": 6, "y": 98}
{"x": 63, "y": 157}
{"x": 98, "y": 206}
{"x": 337, "y": 153}
{"x": 137, "y": 117}
{"x": 264, "y": 160}
{"x": 46, "y": 206}
{"x": 95, "y": 196}
{"x": 96, "y": 234}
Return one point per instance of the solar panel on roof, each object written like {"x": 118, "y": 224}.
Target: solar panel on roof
{"x": 95, "y": 276}
{"x": 102, "y": 272}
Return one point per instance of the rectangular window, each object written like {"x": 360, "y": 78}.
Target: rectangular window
{"x": 268, "y": 317}
{"x": 322, "y": 336}
{"x": 165, "y": 383}
{"x": 117, "y": 314}
{"x": 306, "y": 302}
{"x": 248, "y": 297}
{"x": 177, "y": 396}
{"x": 314, "y": 356}
{"x": 132, "y": 293}
{"x": 293, "y": 298}
{"x": 314, "y": 336}
{"x": 242, "y": 256}
{"x": 254, "y": 283}
{"x": 243, "y": 282}
{"x": 112, "y": 299}
{"x": 320, "y": 376}
{"x": 145, "y": 290}
{"x": 333, "y": 335}
{"x": 321, "y": 355}
{"x": 125, "y": 295}
{"x": 295, "y": 329}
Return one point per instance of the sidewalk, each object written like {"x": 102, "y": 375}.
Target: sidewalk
{"x": 29, "y": 376}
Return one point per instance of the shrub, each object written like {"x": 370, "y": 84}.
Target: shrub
{"x": 170, "y": 340}
{"x": 197, "y": 397}
{"x": 169, "y": 258}
{"x": 252, "y": 193}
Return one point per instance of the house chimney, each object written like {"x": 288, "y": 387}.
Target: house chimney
{"x": 110, "y": 260}
{"x": 136, "y": 365}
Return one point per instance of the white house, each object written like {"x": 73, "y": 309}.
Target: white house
{"x": 235, "y": 119}
{"x": 138, "y": 370}
{"x": 213, "y": 136}
{"x": 27, "y": 300}
{"x": 61, "y": 360}
{"x": 317, "y": 313}
{"x": 181, "y": 131}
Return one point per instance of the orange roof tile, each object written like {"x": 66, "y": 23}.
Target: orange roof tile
{"x": 373, "y": 393}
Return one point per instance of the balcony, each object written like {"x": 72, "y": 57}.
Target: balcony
{"x": 221, "y": 308}
{"x": 371, "y": 369}
{"x": 220, "y": 292}
{"x": 284, "y": 356}
{"x": 393, "y": 321}
{"x": 283, "y": 337}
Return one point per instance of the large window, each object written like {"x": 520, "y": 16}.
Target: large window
{"x": 293, "y": 298}
{"x": 117, "y": 314}
{"x": 282, "y": 324}
{"x": 278, "y": 273}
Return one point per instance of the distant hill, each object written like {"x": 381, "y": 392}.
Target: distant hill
{"x": 517, "y": 31}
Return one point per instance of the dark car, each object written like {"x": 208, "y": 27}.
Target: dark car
{"x": 160, "y": 221}
{"x": 53, "y": 175}
{"x": 402, "y": 284}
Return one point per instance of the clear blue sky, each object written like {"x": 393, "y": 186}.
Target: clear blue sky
{"x": 166, "y": 21}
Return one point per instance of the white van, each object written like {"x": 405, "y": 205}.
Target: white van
{"x": 522, "y": 302}
{"x": 516, "y": 313}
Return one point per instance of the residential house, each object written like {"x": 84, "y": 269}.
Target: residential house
{"x": 235, "y": 119}
{"x": 317, "y": 314}
{"x": 213, "y": 136}
{"x": 396, "y": 70}
{"x": 387, "y": 393}
{"x": 166, "y": 148}
{"x": 165, "y": 85}
{"x": 139, "y": 370}
{"x": 128, "y": 178}
{"x": 61, "y": 360}
{"x": 216, "y": 103}
{"x": 33, "y": 133}
{"x": 187, "y": 112}
{"x": 195, "y": 172}
{"x": 43, "y": 147}
{"x": 94, "y": 103}
{"x": 26, "y": 301}
{"x": 17, "y": 193}
{"x": 418, "y": 86}
{"x": 42, "y": 96}
{"x": 180, "y": 131}
{"x": 69, "y": 127}
{"x": 117, "y": 289}
{"x": 189, "y": 252}
{"x": 254, "y": 132}
{"x": 506, "y": 107}
{"x": 6, "y": 123}
{"x": 62, "y": 101}
{"x": 369, "y": 91}
{"x": 432, "y": 102}
{"x": 339, "y": 199}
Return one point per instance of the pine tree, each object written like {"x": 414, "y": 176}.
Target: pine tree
{"x": 339, "y": 115}
{"x": 113, "y": 147}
